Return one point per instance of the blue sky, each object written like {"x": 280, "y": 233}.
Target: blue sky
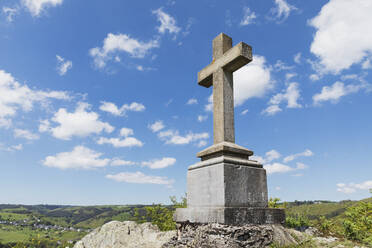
{"x": 99, "y": 102}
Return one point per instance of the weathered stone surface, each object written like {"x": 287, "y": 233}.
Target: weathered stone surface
{"x": 227, "y": 185}
{"x": 126, "y": 234}
{"x": 225, "y": 149}
{"x": 224, "y": 236}
{"x": 226, "y": 60}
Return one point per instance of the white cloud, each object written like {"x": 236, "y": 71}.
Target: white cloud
{"x": 297, "y": 58}
{"x": 352, "y": 187}
{"x": 334, "y": 92}
{"x": 314, "y": 77}
{"x": 291, "y": 96}
{"x": 79, "y": 158}
{"x": 282, "y": 10}
{"x": 173, "y": 137}
{"x": 12, "y": 148}
{"x": 25, "y": 134}
{"x": 281, "y": 66}
{"x": 15, "y": 96}
{"x": 244, "y": 112}
{"x": 159, "y": 163}
{"x": 36, "y": 7}
{"x": 126, "y": 132}
{"x": 272, "y": 155}
{"x": 116, "y": 142}
{"x": 272, "y": 110}
{"x": 301, "y": 166}
{"x": 113, "y": 109}
{"x": 277, "y": 188}
{"x": 367, "y": 64}
{"x": 192, "y": 101}
{"x": 306, "y": 153}
{"x": 114, "y": 43}
{"x": 202, "y": 143}
{"x": 289, "y": 76}
{"x": 80, "y": 123}
{"x": 248, "y": 17}
{"x": 10, "y": 13}
{"x": 167, "y": 22}
{"x": 139, "y": 177}
{"x": 156, "y": 126}
{"x": 202, "y": 118}
{"x": 252, "y": 80}
{"x": 342, "y": 35}
{"x": 269, "y": 156}
{"x": 120, "y": 162}
{"x": 277, "y": 168}
{"x": 63, "y": 65}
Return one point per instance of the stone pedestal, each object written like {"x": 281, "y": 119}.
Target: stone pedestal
{"x": 227, "y": 188}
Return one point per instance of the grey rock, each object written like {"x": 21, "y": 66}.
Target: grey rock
{"x": 225, "y": 236}
{"x": 126, "y": 234}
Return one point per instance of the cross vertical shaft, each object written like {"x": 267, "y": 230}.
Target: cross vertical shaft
{"x": 223, "y": 95}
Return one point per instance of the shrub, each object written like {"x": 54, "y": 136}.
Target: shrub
{"x": 160, "y": 215}
{"x": 297, "y": 221}
{"x": 358, "y": 222}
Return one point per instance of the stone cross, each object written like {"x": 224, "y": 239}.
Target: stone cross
{"x": 226, "y": 60}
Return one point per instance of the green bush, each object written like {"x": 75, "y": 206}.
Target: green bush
{"x": 297, "y": 221}
{"x": 358, "y": 222}
{"x": 160, "y": 215}
{"x": 324, "y": 225}
{"x": 273, "y": 202}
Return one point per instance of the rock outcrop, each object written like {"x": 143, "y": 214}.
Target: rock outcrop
{"x": 226, "y": 236}
{"x": 127, "y": 234}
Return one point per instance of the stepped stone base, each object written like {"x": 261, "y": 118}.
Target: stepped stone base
{"x": 226, "y": 187}
{"x": 230, "y": 216}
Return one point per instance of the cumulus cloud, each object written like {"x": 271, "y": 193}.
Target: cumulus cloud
{"x": 15, "y": 96}
{"x": 192, "y": 101}
{"x": 290, "y": 95}
{"x": 63, "y": 65}
{"x": 297, "y": 58}
{"x": 173, "y": 137}
{"x": 156, "y": 126}
{"x": 353, "y": 187}
{"x": 25, "y": 134}
{"x": 281, "y": 66}
{"x": 79, "y": 158}
{"x": 115, "y": 110}
{"x": 139, "y": 177}
{"x": 282, "y": 10}
{"x": 10, "y": 13}
{"x": 248, "y": 17}
{"x": 334, "y": 92}
{"x": 121, "y": 162}
{"x": 252, "y": 80}
{"x": 342, "y": 35}
{"x": 159, "y": 163}
{"x": 36, "y": 7}
{"x": 117, "y": 142}
{"x": 269, "y": 156}
{"x": 282, "y": 168}
{"x": 306, "y": 153}
{"x": 244, "y": 112}
{"x": 277, "y": 168}
{"x": 115, "y": 43}
{"x": 272, "y": 110}
{"x": 80, "y": 123}
{"x": 167, "y": 22}
{"x": 202, "y": 118}
{"x": 126, "y": 132}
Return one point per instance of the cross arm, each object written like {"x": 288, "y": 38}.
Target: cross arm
{"x": 231, "y": 60}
